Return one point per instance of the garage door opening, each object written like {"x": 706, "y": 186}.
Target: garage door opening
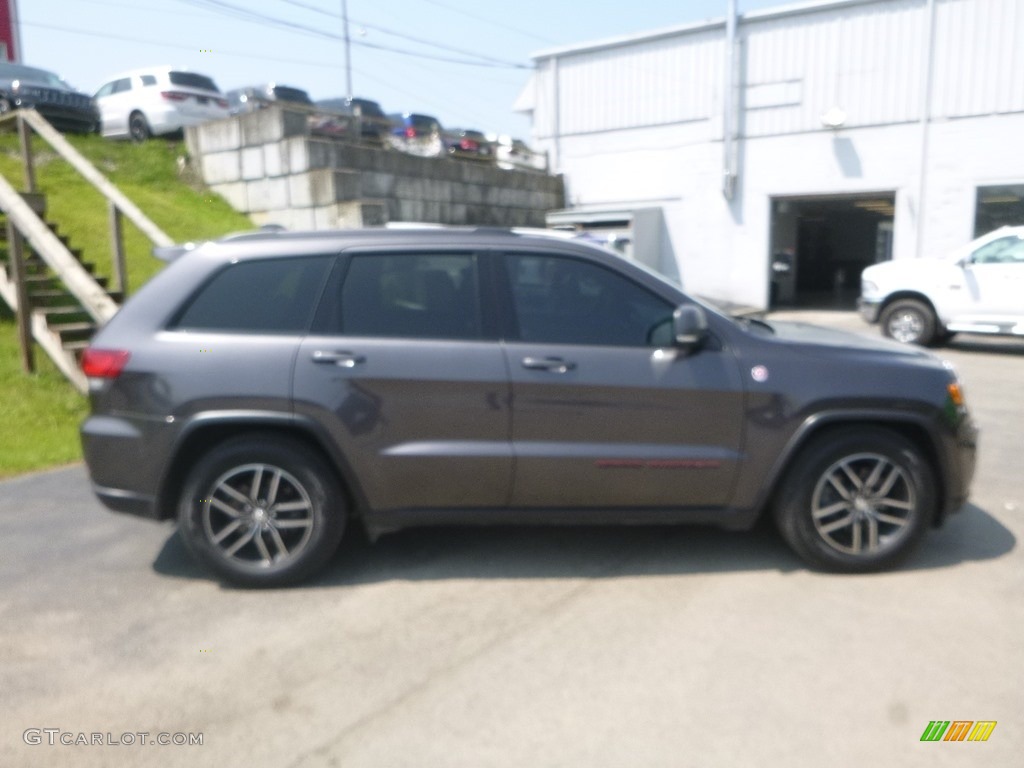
{"x": 820, "y": 245}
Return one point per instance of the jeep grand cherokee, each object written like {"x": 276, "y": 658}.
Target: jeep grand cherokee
{"x": 271, "y": 389}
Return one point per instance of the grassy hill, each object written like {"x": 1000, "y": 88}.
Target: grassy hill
{"x": 41, "y": 412}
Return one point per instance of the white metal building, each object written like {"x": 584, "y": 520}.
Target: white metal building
{"x": 826, "y": 134}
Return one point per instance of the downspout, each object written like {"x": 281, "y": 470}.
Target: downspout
{"x": 729, "y": 106}
{"x": 926, "y": 112}
{"x": 556, "y": 165}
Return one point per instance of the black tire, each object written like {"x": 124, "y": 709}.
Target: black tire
{"x": 138, "y": 128}
{"x": 262, "y": 510}
{"x": 909, "y": 321}
{"x": 5, "y": 106}
{"x": 856, "y": 500}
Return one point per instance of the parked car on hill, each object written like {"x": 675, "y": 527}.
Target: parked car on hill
{"x": 253, "y": 97}
{"x": 470, "y": 144}
{"x": 516, "y": 154}
{"x": 373, "y": 125}
{"x": 416, "y": 134}
{"x": 271, "y": 390}
{"x": 978, "y": 288}
{"x": 23, "y": 87}
{"x": 158, "y": 101}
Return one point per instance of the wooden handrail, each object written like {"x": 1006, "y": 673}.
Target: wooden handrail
{"x": 51, "y": 250}
{"x": 63, "y": 148}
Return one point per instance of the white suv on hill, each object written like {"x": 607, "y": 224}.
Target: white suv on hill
{"x": 978, "y": 288}
{"x": 157, "y": 101}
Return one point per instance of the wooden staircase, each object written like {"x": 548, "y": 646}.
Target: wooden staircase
{"x": 56, "y": 295}
{"x": 56, "y": 314}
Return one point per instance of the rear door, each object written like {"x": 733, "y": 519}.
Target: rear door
{"x": 404, "y": 370}
{"x": 606, "y": 414}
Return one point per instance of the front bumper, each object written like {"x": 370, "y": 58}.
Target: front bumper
{"x": 869, "y": 309}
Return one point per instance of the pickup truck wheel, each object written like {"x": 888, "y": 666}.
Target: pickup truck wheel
{"x": 262, "y": 511}
{"x": 909, "y": 321}
{"x": 856, "y": 501}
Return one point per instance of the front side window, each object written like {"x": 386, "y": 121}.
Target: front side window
{"x": 426, "y": 296}
{"x": 561, "y": 300}
{"x": 265, "y": 296}
{"x": 1005, "y": 250}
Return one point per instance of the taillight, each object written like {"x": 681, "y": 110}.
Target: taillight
{"x": 104, "y": 363}
{"x": 410, "y": 132}
{"x": 174, "y": 95}
{"x": 222, "y": 103}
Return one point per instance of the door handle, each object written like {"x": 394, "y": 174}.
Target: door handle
{"x": 553, "y": 364}
{"x": 340, "y": 359}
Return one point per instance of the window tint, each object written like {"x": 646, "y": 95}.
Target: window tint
{"x": 149, "y": 80}
{"x": 410, "y": 296}
{"x": 1005, "y": 250}
{"x": 267, "y": 296}
{"x": 122, "y": 85}
{"x": 192, "y": 80}
{"x": 565, "y": 301}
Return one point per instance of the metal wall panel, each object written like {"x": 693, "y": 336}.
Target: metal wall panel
{"x": 866, "y": 58}
{"x": 654, "y": 83}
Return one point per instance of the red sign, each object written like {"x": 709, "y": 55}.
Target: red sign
{"x": 10, "y": 42}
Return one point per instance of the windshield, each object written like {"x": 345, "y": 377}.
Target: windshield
{"x": 32, "y": 75}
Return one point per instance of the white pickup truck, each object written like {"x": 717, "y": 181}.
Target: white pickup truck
{"x": 978, "y": 288}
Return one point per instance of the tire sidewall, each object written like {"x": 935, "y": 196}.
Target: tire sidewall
{"x": 928, "y": 321}
{"x": 793, "y": 509}
{"x": 316, "y": 478}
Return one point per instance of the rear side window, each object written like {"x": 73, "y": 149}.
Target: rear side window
{"x": 428, "y": 296}
{"x": 266, "y": 296}
{"x": 149, "y": 80}
{"x": 192, "y": 80}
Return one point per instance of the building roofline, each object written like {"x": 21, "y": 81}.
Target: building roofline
{"x": 790, "y": 9}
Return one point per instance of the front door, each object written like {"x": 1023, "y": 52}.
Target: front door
{"x": 606, "y": 413}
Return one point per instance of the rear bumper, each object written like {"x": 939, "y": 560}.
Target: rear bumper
{"x": 125, "y": 458}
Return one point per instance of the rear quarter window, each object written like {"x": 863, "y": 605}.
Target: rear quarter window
{"x": 265, "y": 296}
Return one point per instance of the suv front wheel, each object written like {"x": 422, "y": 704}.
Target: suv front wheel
{"x": 856, "y": 501}
{"x": 262, "y": 511}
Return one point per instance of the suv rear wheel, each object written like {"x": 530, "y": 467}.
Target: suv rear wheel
{"x": 856, "y": 501}
{"x": 910, "y": 321}
{"x": 262, "y": 511}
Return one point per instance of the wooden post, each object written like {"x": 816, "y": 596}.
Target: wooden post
{"x": 16, "y": 244}
{"x": 117, "y": 246}
{"x": 25, "y": 133}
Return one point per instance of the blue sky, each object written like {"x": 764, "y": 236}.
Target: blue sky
{"x": 87, "y": 41}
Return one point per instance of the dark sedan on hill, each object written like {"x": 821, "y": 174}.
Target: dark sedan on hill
{"x": 23, "y": 87}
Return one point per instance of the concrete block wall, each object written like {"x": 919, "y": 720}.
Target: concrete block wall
{"x": 267, "y": 165}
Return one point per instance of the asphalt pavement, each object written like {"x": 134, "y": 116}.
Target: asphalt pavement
{"x": 521, "y": 647}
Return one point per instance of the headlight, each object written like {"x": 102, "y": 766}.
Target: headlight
{"x": 867, "y": 287}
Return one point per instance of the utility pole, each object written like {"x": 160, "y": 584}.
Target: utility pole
{"x": 348, "y": 50}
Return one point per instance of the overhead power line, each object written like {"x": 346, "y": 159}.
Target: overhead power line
{"x": 240, "y": 12}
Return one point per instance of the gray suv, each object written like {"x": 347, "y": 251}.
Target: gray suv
{"x": 271, "y": 389}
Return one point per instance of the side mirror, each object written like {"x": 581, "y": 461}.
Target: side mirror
{"x": 689, "y": 326}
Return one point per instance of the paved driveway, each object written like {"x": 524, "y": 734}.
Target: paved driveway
{"x": 563, "y": 647}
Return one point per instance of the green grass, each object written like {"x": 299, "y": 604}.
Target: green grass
{"x": 42, "y": 411}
